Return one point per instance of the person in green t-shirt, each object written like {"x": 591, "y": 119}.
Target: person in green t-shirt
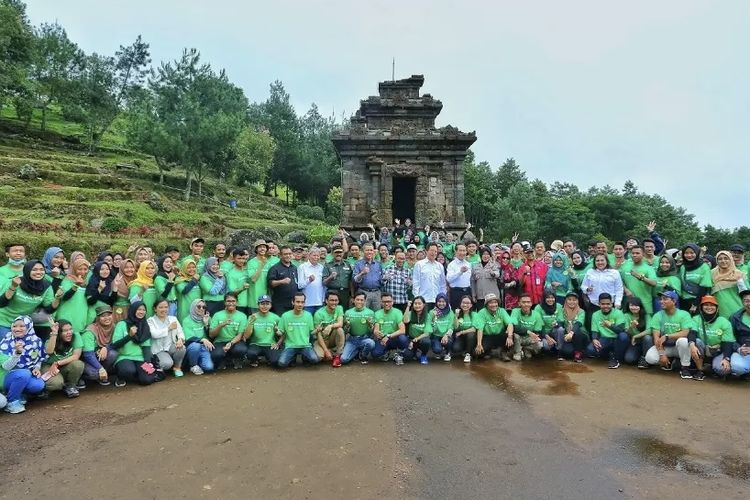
{"x": 97, "y": 355}
{"x": 636, "y": 326}
{"x": 715, "y": 340}
{"x": 549, "y": 309}
{"x": 257, "y": 269}
{"x": 358, "y": 323}
{"x": 262, "y": 334}
{"x": 671, "y": 327}
{"x": 16, "y": 255}
{"x": 570, "y": 334}
{"x": 728, "y": 282}
{"x": 418, "y": 330}
{"x": 638, "y": 279}
{"x": 295, "y": 327}
{"x": 74, "y": 306}
{"x": 164, "y": 283}
{"x": 213, "y": 286}
{"x": 329, "y": 330}
{"x": 226, "y": 331}
{"x": 389, "y": 331}
{"x": 464, "y": 332}
{"x": 441, "y": 318}
{"x": 187, "y": 287}
{"x": 667, "y": 278}
{"x": 196, "y": 327}
{"x": 238, "y": 281}
{"x": 527, "y": 326}
{"x": 26, "y": 294}
{"x": 608, "y": 337}
{"x": 64, "y": 359}
{"x": 132, "y": 341}
{"x": 495, "y": 331}
{"x": 695, "y": 276}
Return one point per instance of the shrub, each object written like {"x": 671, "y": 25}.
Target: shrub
{"x": 28, "y": 172}
{"x": 321, "y": 234}
{"x": 310, "y": 212}
{"x": 113, "y": 225}
{"x": 299, "y": 236}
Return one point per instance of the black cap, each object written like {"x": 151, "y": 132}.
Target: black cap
{"x": 744, "y": 292}
{"x": 171, "y": 248}
{"x": 737, "y": 248}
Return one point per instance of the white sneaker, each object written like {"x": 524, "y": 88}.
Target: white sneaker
{"x": 447, "y": 357}
{"x": 517, "y": 357}
{"x": 196, "y": 370}
{"x": 467, "y": 358}
{"x": 398, "y": 359}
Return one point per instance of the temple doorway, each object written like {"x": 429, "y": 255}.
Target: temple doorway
{"x": 404, "y": 198}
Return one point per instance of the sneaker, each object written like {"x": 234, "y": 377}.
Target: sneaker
{"x": 195, "y": 370}
{"x": 363, "y": 359}
{"x": 178, "y": 373}
{"x": 423, "y": 359}
{"x": 642, "y": 364}
{"x": 384, "y": 358}
{"x": 254, "y": 364}
{"x": 505, "y": 356}
{"x": 517, "y": 356}
{"x": 560, "y": 357}
{"x": 103, "y": 382}
{"x": 527, "y": 353}
{"x": 336, "y": 363}
{"x": 671, "y": 366}
{"x": 120, "y": 383}
{"x": 447, "y": 357}
{"x": 236, "y": 364}
{"x": 613, "y": 364}
{"x": 686, "y": 373}
{"x": 698, "y": 375}
{"x": 81, "y": 384}
{"x": 399, "y": 359}
{"x": 467, "y": 358}
{"x": 578, "y": 357}
{"x": 15, "y": 407}
{"x": 71, "y": 391}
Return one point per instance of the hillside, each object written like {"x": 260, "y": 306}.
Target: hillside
{"x": 54, "y": 192}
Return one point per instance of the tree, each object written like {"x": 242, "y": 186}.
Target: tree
{"x": 16, "y": 45}
{"x": 251, "y": 156}
{"x": 320, "y": 165}
{"x": 508, "y": 175}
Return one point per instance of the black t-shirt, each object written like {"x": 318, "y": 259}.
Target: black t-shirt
{"x": 283, "y": 293}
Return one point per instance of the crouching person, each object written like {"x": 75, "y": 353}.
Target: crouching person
{"x": 714, "y": 341}
{"x": 63, "y": 361}
{"x": 608, "y": 337}
{"x": 671, "y": 327}
{"x": 132, "y": 340}
{"x": 97, "y": 353}
{"x": 741, "y": 325}
{"x": 389, "y": 331}
{"x": 418, "y": 328}
{"x": 329, "y": 330}
{"x": 262, "y": 329}
{"x": 196, "y": 326}
{"x": 226, "y": 331}
{"x": 528, "y": 326}
{"x": 570, "y": 333}
{"x": 358, "y": 322}
{"x": 295, "y": 327}
{"x": 495, "y": 331}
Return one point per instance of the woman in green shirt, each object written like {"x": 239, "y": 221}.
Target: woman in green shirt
{"x": 441, "y": 318}
{"x": 636, "y": 326}
{"x": 715, "y": 340}
{"x": 187, "y": 288}
{"x": 571, "y": 335}
{"x": 213, "y": 286}
{"x": 127, "y": 274}
{"x": 728, "y": 282}
{"x": 164, "y": 283}
{"x": 549, "y": 310}
{"x": 418, "y": 329}
{"x": 63, "y": 359}
{"x": 27, "y": 294}
{"x": 195, "y": 326}
{"x": 695, "y": 276}
{"x": 464, "y": 333}
{"x": 73, "y": 304}
{"x": 101, "y": 289}
{"x": 666, "y": 279}
{"x": 132, "y": 341}
{"x": 141, "y": 289}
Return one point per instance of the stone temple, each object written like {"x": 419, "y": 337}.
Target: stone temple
{"x": 396, "y": 165}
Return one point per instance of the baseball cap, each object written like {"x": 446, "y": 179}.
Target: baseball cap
{"x": 298, "y": 248}
{"x": 571, "y": 294}
{"x": 197, "y": 240}
{"x": 737, "y": 248}
{"x": 264, "y": 298}
{"x": 338, "y": 249}
{"x": 709, "y": 299}
{"x": 411, "y": 246}
{"x": 490, "y": 297}
{"x": 670, "y": 294}
{"x": 103, "y": 309}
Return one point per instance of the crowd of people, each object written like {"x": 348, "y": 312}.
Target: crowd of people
{"x": 400, "y": 294}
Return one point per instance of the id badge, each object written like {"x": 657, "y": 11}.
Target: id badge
{"x": 538, "y": 281}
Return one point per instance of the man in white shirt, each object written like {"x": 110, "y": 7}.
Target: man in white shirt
{"x": 459, "y": 277}
{"x": 428, "y": 277}
{"x": 310, "y": 281}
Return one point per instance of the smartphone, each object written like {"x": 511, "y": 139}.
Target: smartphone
{"x": 46, "y": 376}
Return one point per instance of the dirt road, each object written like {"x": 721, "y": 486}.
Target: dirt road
{"x": 489, "y": 430}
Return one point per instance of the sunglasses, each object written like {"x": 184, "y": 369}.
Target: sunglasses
{"x": 200, "y": 307}
{"x": 506, "y": 258}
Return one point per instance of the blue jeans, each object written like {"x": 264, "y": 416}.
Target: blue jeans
{"x": 611, "y": 347}
{"x": 399, "y": 342}
{"x": 634, "y": 352}
{"x": 423, "y": 346}
{"x": 255, "y": 351}
{"x": 740, "y": 365}
{"x": 716, "y": 360}
{"x": 361, "y": 345}
{"x": 197, "y": 354}
{"x": 290, "y": 353}
{"x": 238, "y": 351}
{"x": 437, "y": 346}
{"x": 19, "y": 381}
{"x": 172, "y": 308}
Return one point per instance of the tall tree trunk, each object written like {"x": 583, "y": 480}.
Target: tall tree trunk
{"x": 44, "y": 117}
{"x": 188, "y": 185}
{"x": 200, "y": 187}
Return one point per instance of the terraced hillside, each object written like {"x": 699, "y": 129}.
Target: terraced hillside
{"x": 52, "y": 191}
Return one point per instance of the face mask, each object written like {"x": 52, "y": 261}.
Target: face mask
{"x": 16, "y": 262}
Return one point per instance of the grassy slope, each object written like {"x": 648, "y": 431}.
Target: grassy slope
{"x": 74, "y": 188}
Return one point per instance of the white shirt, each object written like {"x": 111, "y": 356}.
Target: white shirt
{"x": 604, "y": 281}
{"x": 457, "y": 278}
{"x": 429, "y": 279}
{"x": 162, "y": 338}
{"x": 314, "y": 290}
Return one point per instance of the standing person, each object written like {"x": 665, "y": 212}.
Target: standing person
{"x": 213, "y": 286}
{"x": 27, "y": 294}
{"x": 715, "y": 341}
{"x": 238, "y": 281}
{"x": 219, "y": 251}
{"x": 458, "y": 277}
{"x": 558, "y": 277}
{"x": 571, "y": 335}
{"x": 132, "y": 341}
{"x": 295, "y": 327}
{"x": 55, "y": 266}
{"x": 310, "y": 281}
{"x": 620, "y": 256}
{"x": 329, "y": 330}
{"x": 411, "y": 256}
{"x": 472, "y": 255}
{"x": 539, "y": 250}
{"x": 636, "y": 326}
{"x": 337, "y": 276}
{"x": 510, "y": 281}
{"x": 738, "y": 254}
{"x": 367, "y": 277}
{"x": 127, "y": 274}
{"x": 666, "y": 279}
{"x": 257, "y": 269}
{"x": 464, "y": 332}
{"x": 428, "y": 277}
{"x": 533, "y": 275}
{"x": 695, "y": 276}
{"x": 740, "y": 321}
{"x": 495, "y": 331}
{"x": 638, "y": 279}
{"x": 608, "y": 336}
{"x": 282, "y": 281}
{"x": 226, "y": 331}
{"x": 73, "y": 304}
{"x": 354, "y": 254}
{"x": 167, "y": 338}
{"x": 389, "y": 331}
{"x": 101, "y": 289}
{"x": 16, "y": 255}
{"x": 602, "y": 279}
{"x": 196, "y": 254}
{"x": 196, "y": 326}
{"x": 188, "y": 289}
{"x": 418, "y": 329}
{"x": 141, "y": 289}
{"x": 569, "y": 246}
{"x": 63, "y": 360}
{"x": 671, "y": 327}
{"x": 358, "y": 323}
{"x": 441, "y": 319}
{"x": 728, "y": 282}
{"x": 397, "y": 281}
{"x": 164, "y": 282}
{"x": 261, "y": 333}
{"x": 98, "y": 357}
{"x": 21, "y": 356}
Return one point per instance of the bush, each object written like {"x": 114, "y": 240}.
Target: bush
{"x": 310, "y": 212}
{"x": 113, "y": 225}
{"x": 299, "y": 236}
{"x": 321, "y": 234}
{"x": 28, "y": 172}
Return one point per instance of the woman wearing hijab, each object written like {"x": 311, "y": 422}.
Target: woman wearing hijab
{"x": 28, "y": 295}
{"x": 101, "y": 289}
{"x": 213, "y": 285}
{"x": 164, "y": 282}
{"x": 141, "y": 289}
{"x": 441, "y": 334}
{"x": 98, "y": 355}
{"x": 167, "y": 338}
{"x": 667, "y": 278}
{"x": 510, "y": 279}
{"x": 715, "y": 342}
{"x": 132, "y": 341}
{"x": 186, "y": 285}
{"x": 55, "y": 266}
{"x": 63, "y": 360}
{"x": 558, "y": 277}
{"x": 580, "y": 267}
{"x": 695, "y": 276}
{"x": 728, "y": 282}
{"x": 549, "y": 310}
{"x": 484, "y": 276}
{"x": 74, "y": 306}
{"x": 570, "y": 333}
{"x": 195, "y": 326}
{"x": 126, "y": 276}
{"x": 636, "y": 326}
{"x": 21, "y": 356}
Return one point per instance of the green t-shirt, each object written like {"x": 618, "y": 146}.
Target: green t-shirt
{"x": 207, "y": 283}
{"x": 360, "y": 322}
{"x": 236, "y": 279}
{"x": 449, "y": 249}
{"x": 548, "y": 320}
{"x": 76, "y": 343}
{"x": 490, "y": 324}
{"x": 633, "y": 330}
{"x": 580, "y": 318}
{"x": 260, "y": 287}
{"x": 388, "y": 321}
{"x": 130, "y": 350}
{"x": 75, "y": 309}
{"x": 296, "y": 329}
{"x": 598, "y": 319}
{"x": 22, "y": 304}
{"x": 184, "y": 301}
{"x": 700, "y": 276}
{"x": 473, "y": 259}
{"x": 639, "y": 288}
{"x": 264, "y": 329}
{"x": 160, "y": 284}
{"x": 673, "y": 282}
{"x": 532, "y": 322}
{"x": 729, "y": 300}
{"x": 148, "y": 296}
{"x": 193, "y": 329}
{"x": 8, "y": 273}
{"x": 667, "y": 325}
{"x": 414, "y": 329}
{"x": 465, "y": 322}
{"x": 323, "y": 317}
{"x": 441, "y": 325}
{"x": 713, "y": 334}
{"x": 230, "y": 331}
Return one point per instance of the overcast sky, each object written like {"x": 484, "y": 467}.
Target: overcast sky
{"x": 587, "y": 92}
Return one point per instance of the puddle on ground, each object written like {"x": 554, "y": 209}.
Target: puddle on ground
{"x": 657, "y": 452}
{"x": 554, "y": 373}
